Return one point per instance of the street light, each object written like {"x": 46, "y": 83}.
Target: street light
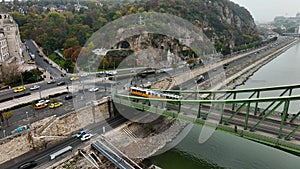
{"x": 27, "y": 115}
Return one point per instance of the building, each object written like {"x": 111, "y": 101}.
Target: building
{"x": 4, "y": 54}
{"x": 287, "y": 21}
{"x": 10, "y": 32}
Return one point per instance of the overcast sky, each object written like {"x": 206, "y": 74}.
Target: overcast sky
{"x": 267, "y": 10}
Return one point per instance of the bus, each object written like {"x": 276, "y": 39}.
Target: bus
{"x": 60, "y": 152}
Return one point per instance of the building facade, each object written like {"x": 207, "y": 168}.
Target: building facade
{"x": 11, "y": 33}
{"x": 4, "y": 54}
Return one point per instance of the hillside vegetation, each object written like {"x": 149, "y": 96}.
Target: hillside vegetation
{"x": 225, "y": 23}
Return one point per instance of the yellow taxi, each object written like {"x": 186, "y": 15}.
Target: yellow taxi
{"x": 19, "y": 89}
{"x": 40, "y": 106}
{"x": 74, "y": 78}
{"x": 55, "y": 105}
{"x": 30, "y": 62}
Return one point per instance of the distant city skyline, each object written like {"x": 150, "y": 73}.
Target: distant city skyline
{"x": 267, "y": 10}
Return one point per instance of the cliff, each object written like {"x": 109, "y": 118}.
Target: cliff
{"x": 222, "y": 21}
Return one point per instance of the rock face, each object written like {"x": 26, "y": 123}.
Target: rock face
{"x": 222, "y": 21}
{"x": 236, "y": 21}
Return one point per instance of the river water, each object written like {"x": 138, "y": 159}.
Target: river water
{"x": 223, "y": 150}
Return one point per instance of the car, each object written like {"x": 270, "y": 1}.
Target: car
{"x": 40, "y": 106}
{"x": 94, "y": 89}
{"x": 30, "y": 62}
{"x": 68, "y": 97}
{"x": 74, "y": 78}
{"x": 51, "y": 81}
{"x": 80, "y": 133}
{"x": 32, "y": 56}
{"x": 43, "y": 101}
{"x": 19, "y": 89}
{"x": 55, "y": 105}
{"x": 28, "y": 165}
{"x": 86, "y": 137}
{"x": 47, "y": 61}
{"x": 61, "y": 83}
{"x": 84, "y": 75}
{"x": 35, "y": 87}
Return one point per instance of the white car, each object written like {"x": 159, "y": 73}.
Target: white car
{"x": 51, "y": 81}
{"x": 94, "y": 89}
{"x": 84, "y": 75}
{"x": 43, "y": 101}
{"x": 32, "y": 55}
{"x": 86, "y": 137}
{"x": 35, "y": 87}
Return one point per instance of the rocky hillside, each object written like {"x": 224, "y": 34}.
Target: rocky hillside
{"x": 56, "y": 24}
{"x": 223, "y": 21}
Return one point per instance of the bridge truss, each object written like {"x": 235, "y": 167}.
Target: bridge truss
{"x": 234, "y": 108}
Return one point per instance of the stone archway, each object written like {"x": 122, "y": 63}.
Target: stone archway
{"x": 124, "y": 45}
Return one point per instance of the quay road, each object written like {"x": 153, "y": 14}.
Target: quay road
{"x": 42, "y": 157}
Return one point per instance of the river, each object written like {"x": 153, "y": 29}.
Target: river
{"x": 224, "y": 150}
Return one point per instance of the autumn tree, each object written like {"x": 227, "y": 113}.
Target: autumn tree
{"x": 70, "y": 42}
{"x": 6, "y": 116}
{"x": 9, "y": 73}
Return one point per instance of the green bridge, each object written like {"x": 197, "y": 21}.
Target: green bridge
{"x": 235, "y": 111}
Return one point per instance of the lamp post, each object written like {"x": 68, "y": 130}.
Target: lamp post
{"x": 27, "y": 115}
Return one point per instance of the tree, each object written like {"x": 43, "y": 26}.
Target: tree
{"x": 7, "y": 116}
{"x": 70, "y": 42}
{"x": 9, "y": 73}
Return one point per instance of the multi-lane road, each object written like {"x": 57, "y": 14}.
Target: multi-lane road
{"x": 42, "y": 157}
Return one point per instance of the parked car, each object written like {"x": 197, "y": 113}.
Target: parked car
{"x": 35, "y": 87}
{"x": 86, "y": 137}
{"x": 81, "y": 133}
{"x": 32, "y": 56}
{"x": 61, "y": 83}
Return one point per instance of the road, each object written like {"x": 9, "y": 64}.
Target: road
{"x": 43, "y": 156}
{"x": 43, "y": 62}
